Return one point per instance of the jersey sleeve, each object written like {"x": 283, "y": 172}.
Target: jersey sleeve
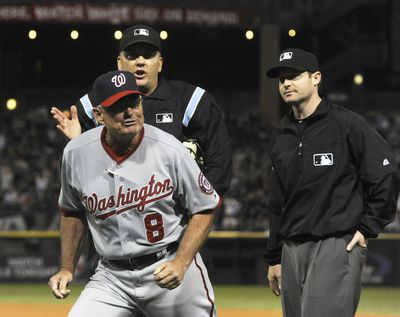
{"x": 85, "y": 113}
{"x": 275, "y": 201}
{"x": 203, "y": 121}
{"x": 378, "y": 171}
{"x": 69, "y": 199}
{"x": 194, "y": 191}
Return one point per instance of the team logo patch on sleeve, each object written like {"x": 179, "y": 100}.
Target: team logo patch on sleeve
{"x": 205, "y": 185}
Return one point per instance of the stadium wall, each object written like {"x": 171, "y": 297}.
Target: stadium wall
{"x": 32, "y": 256}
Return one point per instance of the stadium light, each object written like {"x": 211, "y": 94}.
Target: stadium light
{"x": 118, "y": 35}
{"x": 32, "y": 34}
{"x": 292, "y": 32}
{"x": 358, "y": 79}
{"x": 163, "y": 35}
{"x": 74, "y": 34}
{"x": 11, "y": 104}
{"x": 249, "y": 34}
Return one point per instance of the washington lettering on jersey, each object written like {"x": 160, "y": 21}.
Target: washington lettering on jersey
{"x": 128, "y": 198}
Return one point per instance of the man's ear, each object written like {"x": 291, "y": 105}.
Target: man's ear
{"x": 119, "y": 62}
{"x": 98, "y": 114}
{"x": 317, "y": 77}
{"x": 160, "y": 63}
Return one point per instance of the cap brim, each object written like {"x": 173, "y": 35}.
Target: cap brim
{"x": 274, "y": 71}
{"x": 114, "y": 98}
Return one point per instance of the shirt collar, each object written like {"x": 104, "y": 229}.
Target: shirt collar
{"x": 321, "y": 110}
{"x": 163, "y": 90}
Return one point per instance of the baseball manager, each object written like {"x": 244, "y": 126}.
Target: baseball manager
{"x": 149, "y": 208}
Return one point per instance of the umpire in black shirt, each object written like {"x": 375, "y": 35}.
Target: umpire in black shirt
{"x": 186, "y": 111}
{"x": 334, "y": 184}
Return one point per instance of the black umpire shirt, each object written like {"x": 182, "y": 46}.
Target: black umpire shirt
{"x": 332, "y": 174}
{"x": 187, "y": 112}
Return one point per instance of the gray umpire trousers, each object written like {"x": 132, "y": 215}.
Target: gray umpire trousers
{"x": 321, "y": 279}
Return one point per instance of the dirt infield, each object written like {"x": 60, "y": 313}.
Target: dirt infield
{"x": 60, "y": 310}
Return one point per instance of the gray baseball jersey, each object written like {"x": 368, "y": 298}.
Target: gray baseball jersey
{"x": 137, "y": 204}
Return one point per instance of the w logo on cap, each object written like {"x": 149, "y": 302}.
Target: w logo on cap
{"x": 119, "y": 80}
{"x": 141, "y": 32}
{"x": 286, "y": 55}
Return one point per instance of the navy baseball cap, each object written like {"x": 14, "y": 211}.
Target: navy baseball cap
{"x": 140, "y": 34}
{"x": 294, "y": 58}
{"x": 113, "y": 86}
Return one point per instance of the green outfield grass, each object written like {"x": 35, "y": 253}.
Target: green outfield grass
{"x": 373, "y": 299}
{"x": 379, "y": 301}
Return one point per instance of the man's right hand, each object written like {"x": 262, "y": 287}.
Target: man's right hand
{"x": 274, "y": 278}
{"x": 59, "y": 283}
{"x": 71, "y": 128}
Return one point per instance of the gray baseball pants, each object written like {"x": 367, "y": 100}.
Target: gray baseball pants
{"x": 114, "y": 292}
{"x": 321, "y": 279}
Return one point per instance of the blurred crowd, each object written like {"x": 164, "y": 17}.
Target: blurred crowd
{"x": 31, "y": 150}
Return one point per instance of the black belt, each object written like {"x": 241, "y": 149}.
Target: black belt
{"x": 140, "y": 262}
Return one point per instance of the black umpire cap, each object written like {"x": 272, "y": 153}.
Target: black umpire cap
{"x": 294, "y": 58}
{"x": 140, "y": 34}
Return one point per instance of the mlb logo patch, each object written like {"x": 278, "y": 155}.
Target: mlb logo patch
{"x": 286, "y": 55}
{"x": 323, "y": 159}
{"x": 164, "y": 118}
{"x": 141, "y": 32}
